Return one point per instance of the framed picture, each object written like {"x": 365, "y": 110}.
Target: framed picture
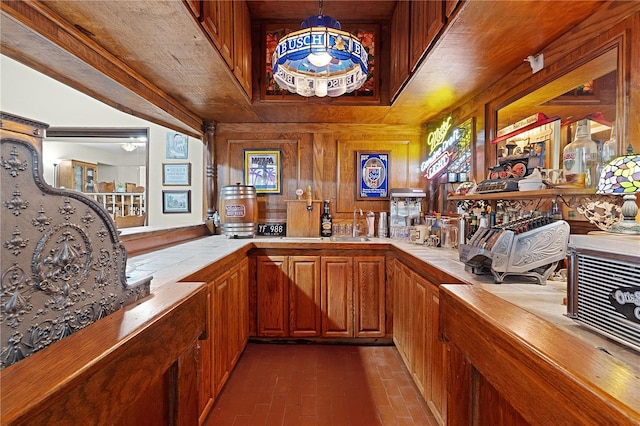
{"x": 176, "y": 201}
{"x": 177, "y": 146}
{"x": 262, "y": 169}
{"x": 176, "y": 174}
{"x": 373, "y": 175}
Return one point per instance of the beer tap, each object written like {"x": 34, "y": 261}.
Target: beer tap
{"x": 309, "y": 198}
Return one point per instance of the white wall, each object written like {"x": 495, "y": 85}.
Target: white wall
{"x": 32, "y": 95}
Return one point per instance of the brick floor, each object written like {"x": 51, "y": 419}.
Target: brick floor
{"x": 314, "y": 384}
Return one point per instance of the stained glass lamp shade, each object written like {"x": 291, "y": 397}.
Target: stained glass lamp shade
{"x": 320, "y": 59}
{"x": 622, "y": 177}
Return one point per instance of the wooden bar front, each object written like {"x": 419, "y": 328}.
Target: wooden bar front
{"x": 508, "y": 366}
{"x": 136, "y": 366}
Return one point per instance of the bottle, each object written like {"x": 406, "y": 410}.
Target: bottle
{"x": 473, "y": 227}
{"x": 326, "y": 221}
{"x": 556, "y": 212}
{"x": 483, "y": 221}
{"x": 580, "y": 158}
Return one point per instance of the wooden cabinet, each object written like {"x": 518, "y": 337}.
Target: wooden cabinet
{"x": 272, "y": 296}
{"x": 302, "y": 222}
{"x": 205, "y": 360}
{"x": 228, "y": 23}
{"x": 414, "y": 26}
{"x": 228, "y": 333}
{"x": 217, "y": 20}
{"x": 369, "y": 296}
{"x": 418, "y": 326}
{"x": 435, "y": 357}
{"x": 304, "y": 296}
{"x": 400, "y": 51}
{"x": 242, "y": 44}
{"x": 449, "y": 7}
{"x": 194, "y": 6}
{"x": 415, "y": 332}
{"x": 220, "y": 330}
{"x": 337, "y": 296}
{"x": 320, "y": 296}
{"x": 426, "y": 20}
{"x": 77, "y": 175}
{"x": 401, "y": 317}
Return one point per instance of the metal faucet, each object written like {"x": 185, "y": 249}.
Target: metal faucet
{"x": 355, "y": 222}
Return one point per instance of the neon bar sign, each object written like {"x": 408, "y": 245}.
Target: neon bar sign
{"x": 440, "y": 149}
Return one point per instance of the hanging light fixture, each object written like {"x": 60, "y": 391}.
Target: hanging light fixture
{"x": 129, "y": 147}
{"x": 320, "y": 59}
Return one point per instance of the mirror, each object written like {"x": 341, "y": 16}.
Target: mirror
{"x": 588, "y": 89}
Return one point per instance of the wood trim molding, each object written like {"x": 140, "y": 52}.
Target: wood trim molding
{"x": 154, "y": 239}
{"x": 89, "y": 375}
{"x": 62, "y": 36}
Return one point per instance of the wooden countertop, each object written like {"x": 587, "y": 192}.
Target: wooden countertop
{"x": 176, "y": 263}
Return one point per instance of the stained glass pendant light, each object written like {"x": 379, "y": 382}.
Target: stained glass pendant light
{"x": 622, "y": 177}
{"x": 320, "y": 59}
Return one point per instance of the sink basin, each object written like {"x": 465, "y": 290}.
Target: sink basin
{"x": 348, "y": 239}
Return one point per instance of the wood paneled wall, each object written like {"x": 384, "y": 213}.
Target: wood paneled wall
{"x": 323, "y": 156}
{"x": 588, "y": 40}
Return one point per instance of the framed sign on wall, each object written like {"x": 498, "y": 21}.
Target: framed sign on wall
{"x": 176, "y": 201}
{"x": 176, "y": 174}
{"x": 263, "y": 170}
{"x": 177, "y": 146}
{"x": 373, "y": 175}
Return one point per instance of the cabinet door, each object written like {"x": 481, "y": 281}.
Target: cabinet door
{"x": 449, "y": 7}
{"x": 418, "y": 330}
{"x": 369, "y": 296}
{"x": 400, "y": 47}
{"x": 426, "y": 19}
{"x": 234, "y": 344}
{"x": 304, "y": 296}
{"x": 195, "y": 5}
{"x": 205, "y": 358}
{"x": 242, "y": 44}
{"x": 436, "y": 358}
{"x": 243, "y": 321}
{"x": 272, "y": 295}
{"x": 220, "y": 330}
{"x": 337, "y": 296}
{"x": 217, "y": 20}
{"x": 402, "y": 282}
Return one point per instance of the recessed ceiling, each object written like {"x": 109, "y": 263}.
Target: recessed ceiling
{"x": 342, "y": 10}
{"x": 153, "y": 59}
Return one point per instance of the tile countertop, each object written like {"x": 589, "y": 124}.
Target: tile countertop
{"x": 171, "y": 264}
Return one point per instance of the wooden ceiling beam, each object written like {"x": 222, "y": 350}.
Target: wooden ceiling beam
{"x": 36, "y": 36}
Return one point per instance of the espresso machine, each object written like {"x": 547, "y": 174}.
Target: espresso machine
{"x": 405, "y": 207}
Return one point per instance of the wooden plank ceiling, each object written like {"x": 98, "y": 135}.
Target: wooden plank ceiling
{"x": 151, "y": 58}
